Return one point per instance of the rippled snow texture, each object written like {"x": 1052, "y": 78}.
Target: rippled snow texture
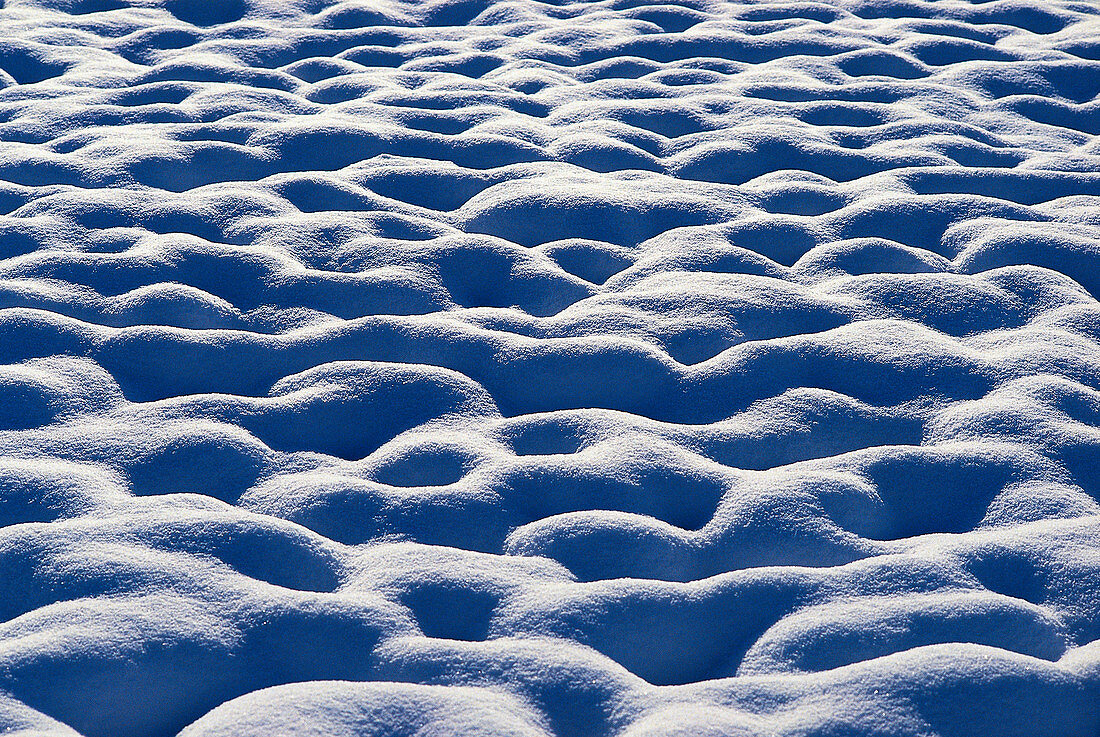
{"x": 517, "y": 368}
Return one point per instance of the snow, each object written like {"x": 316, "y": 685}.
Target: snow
{"x": 557, "y": 369}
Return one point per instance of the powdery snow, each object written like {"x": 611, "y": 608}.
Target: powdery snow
{"x": 602, "y": 369}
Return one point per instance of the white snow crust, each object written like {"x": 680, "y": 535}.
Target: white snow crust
{"x": 556, "y": 369}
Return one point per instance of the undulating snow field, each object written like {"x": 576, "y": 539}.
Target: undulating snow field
{"x": 593, "y": 369}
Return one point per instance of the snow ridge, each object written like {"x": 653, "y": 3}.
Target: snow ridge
{"x": 579, "y": 369}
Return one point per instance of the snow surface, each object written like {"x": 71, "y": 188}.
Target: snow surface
{"x": 578, "y": 370}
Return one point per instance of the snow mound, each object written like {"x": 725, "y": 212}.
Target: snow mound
{"x": 570, "y": 369}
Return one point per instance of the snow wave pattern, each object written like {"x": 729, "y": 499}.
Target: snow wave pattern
{"x": 517, "y": 368}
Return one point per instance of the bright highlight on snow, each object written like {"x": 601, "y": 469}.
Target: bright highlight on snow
{"x": 559, "y": 369}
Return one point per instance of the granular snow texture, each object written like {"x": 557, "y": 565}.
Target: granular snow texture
{"x": 581, "y": 369}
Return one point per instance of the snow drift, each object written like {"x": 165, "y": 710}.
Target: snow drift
{"x": 572, "y": 369}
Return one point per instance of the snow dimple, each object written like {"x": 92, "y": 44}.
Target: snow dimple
{"x": 609, "y": 369}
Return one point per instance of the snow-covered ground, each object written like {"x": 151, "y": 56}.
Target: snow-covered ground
{"x": 580, "y": 369}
